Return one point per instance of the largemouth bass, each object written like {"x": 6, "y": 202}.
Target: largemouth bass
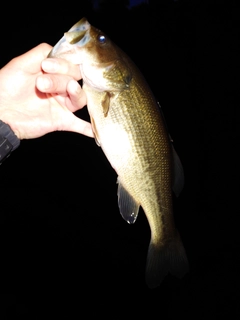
{"x": 129, "y": 126}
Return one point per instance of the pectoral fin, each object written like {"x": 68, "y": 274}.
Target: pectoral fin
{"x": 106, "y": 103}
{"x": 127, "y": 205}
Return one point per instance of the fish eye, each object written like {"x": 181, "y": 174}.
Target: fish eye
{"x": 101, "y": 39}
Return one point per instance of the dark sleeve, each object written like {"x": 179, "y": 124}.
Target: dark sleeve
{"x": 8, "y": 141}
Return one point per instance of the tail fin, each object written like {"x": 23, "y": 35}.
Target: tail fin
{"x": 162, "y": 260}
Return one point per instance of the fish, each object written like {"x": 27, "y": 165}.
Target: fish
{"x": 129, "y": 126}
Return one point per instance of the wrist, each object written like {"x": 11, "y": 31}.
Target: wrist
{"x": 8, "y": 141}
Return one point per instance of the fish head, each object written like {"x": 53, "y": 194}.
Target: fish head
{"x": 102, "y": 64}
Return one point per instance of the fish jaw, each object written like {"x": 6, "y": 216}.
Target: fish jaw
{"x": 68, "y": 46}
{"x": 65, "y": 50}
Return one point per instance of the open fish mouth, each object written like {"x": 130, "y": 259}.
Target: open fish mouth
{"x": 77, "y": 35}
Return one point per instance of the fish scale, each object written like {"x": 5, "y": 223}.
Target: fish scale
{"x": 129, "y": 126}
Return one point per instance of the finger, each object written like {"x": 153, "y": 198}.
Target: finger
{"x": 78, "y": 125}
{"x": 77, "y": 96}
{"x": 52, "y": 83}
{"x": 52, "y": 65}
{"x": 31, "y": 60}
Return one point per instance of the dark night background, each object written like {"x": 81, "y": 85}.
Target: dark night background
{"x": 65, "y": 249}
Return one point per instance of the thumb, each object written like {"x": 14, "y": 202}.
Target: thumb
{"x": 79, "y": 126}
{"x": 31, "y": 60}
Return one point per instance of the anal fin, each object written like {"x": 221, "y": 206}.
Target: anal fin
{"x": 127, "y": 205}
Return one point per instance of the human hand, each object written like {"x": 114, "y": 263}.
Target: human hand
{"x": 34, "y": 103}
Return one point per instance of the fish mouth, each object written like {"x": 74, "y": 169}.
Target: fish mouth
{"x": 77, "y": 35}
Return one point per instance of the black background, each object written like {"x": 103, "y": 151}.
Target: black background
{"x": 65, "y": 250}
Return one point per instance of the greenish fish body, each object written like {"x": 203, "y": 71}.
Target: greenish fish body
{"x": 130, "y": 128}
